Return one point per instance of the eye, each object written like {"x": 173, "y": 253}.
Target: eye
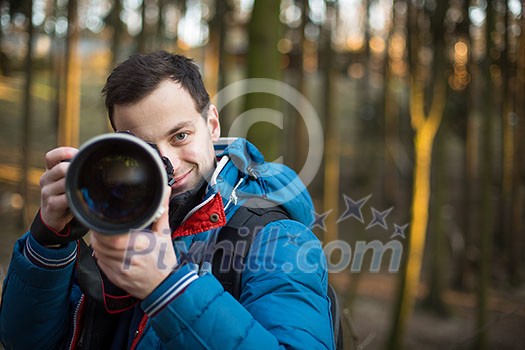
{"x": 180, "y": 136}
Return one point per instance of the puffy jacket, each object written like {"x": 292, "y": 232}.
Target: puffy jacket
{"x": 283, "y": 302}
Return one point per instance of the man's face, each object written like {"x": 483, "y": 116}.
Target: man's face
{"x": 167, "y": 117}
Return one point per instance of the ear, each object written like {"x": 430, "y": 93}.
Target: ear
{"x": 214, "y": 127}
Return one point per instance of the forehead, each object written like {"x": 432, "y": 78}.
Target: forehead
{"x": 169, "y": 104}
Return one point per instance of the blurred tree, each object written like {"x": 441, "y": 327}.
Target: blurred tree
{"x": 510, "y": 193}
{"x": 298, "y": 136}
{"x": 152, "y": 26}
{"x": 437, "y": 245}
{"x": 371, "y": 102}
{"x": 331, "y": 123}
{"x": 395, "y": 169}
{"x": 467, "y": 131}
{"x": 27, "y": 114}
{"x": 264, "y": 61}
{"x": 519, "y": 174}
{"x": 117, "y": 31}
{"x": 518, "y": 206}
{"x": 160, "y": 28}
{"x": 216, "y": 45}
{"x": 57, "y": 58}
{"x": 69, "y": 114}
{"x": 4, "y": 58}
{"x": 425, "y": 125}
{"x": 458, "y": 44}
{"x": 143, "y": 35}
{"x": 20, "y": 6}
{"x": 487, "y": 106}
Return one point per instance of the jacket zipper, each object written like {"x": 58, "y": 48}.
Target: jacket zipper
{"x": 139, "y": 332}
{"x": 76, "y": 320}
{"x": 191, "y": 212}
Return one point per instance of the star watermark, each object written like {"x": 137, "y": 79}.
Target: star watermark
{"x": 353, "y": 208}
{"x": 399, "y": 231}
{"x": 319, "y": 220}
{"x": 379, "y": 218}
{"x": 292, "y": 239}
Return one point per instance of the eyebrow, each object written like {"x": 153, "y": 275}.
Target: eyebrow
{"x": 177, "y": 127}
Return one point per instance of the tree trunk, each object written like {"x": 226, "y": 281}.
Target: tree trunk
{"x": 460, "y": 253}
{"x": 160, "y": 26}
{"x": 68, "y": 122}
{"x": 509, "y": 212}
{"x": 4, "y": 59}
{"x": 27, "y": 119}
{"x": 331, "y": 126}
{"x": 298, "y": 137}
{"x": 425, "y": 129}
{"x": 392, "y": 166}
{"x": 519, "y": 193}
{"x": 425, "y": 126}
{"x": 215, "y": 50}
{"x": 264, "y": 61}
{"x": 437, "y": 239}
{"x": 118, "y": 30}
{"x": 143, "y": 34}
{"x": 485, "y": 234}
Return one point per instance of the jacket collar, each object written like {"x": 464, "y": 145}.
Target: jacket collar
{"x": 208, "y": 214}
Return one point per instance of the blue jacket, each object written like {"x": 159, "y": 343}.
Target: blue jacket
{"x": 283, "y": 302}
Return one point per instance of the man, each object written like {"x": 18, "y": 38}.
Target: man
{"x": 163, "y": 298}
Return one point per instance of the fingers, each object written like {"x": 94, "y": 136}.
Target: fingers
{"x": 109, "y": 245}
{"x": 53, "y": 201}
{"x": 55, "y": 156}
{"x": 116, "y": 246}
{"x": 55, "y": 167}
{"x": 53, "y": 188}
{"x": 57, "y": 204}
{"x": 109, "y": 249}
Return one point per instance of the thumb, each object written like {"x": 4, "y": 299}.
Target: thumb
{"x": 162, "y": 225}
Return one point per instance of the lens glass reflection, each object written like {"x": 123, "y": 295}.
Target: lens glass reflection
{"x": 118, "y": 185}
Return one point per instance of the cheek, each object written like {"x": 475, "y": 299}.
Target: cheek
{"x": 206, "y": 155}
{"x": 193, "y": 154}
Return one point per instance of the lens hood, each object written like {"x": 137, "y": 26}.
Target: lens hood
{"x": 116, "y": 183}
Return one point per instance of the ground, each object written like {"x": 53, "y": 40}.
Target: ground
{"x": 371, "y": 314}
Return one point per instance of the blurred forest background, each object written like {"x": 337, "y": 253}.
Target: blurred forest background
{"x": 422, "y": 105}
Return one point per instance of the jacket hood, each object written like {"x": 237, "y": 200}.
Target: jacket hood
{"x": 245, "y": 174}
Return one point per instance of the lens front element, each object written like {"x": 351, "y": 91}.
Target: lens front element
{"x": 116, "y": 183}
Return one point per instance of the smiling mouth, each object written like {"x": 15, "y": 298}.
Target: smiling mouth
{"x": 182, "y": 177}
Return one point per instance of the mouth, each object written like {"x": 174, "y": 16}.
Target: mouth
{"x": 177, "y": 180}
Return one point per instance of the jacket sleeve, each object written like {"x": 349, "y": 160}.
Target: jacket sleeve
{"x": 283, "y": 302}
{"x": 34, "y": 311}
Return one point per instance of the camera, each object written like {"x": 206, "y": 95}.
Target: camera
{"x": 117, "y": 183}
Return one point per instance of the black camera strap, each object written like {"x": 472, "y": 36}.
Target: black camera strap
{"x": 107, "y": 306}
{"x": 239, "y": 232}
{"x": 97, "y": 287}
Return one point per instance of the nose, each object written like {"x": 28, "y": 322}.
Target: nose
{"x": 170, "y": 158}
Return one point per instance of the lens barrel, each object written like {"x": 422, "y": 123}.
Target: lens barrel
{"x": 116, "y": 183}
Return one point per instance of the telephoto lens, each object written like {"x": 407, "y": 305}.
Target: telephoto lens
{"x": 116, "y": 183}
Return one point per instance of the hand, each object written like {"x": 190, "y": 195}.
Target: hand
{"x": 138, "y": 261}
{"x": 54, "y": 224}
{"x": 54, "y": 209}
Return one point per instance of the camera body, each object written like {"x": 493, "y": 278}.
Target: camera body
{"x": 117, "y": 183}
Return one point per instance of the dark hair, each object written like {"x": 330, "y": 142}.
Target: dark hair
{"x": 139, "y": 75}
